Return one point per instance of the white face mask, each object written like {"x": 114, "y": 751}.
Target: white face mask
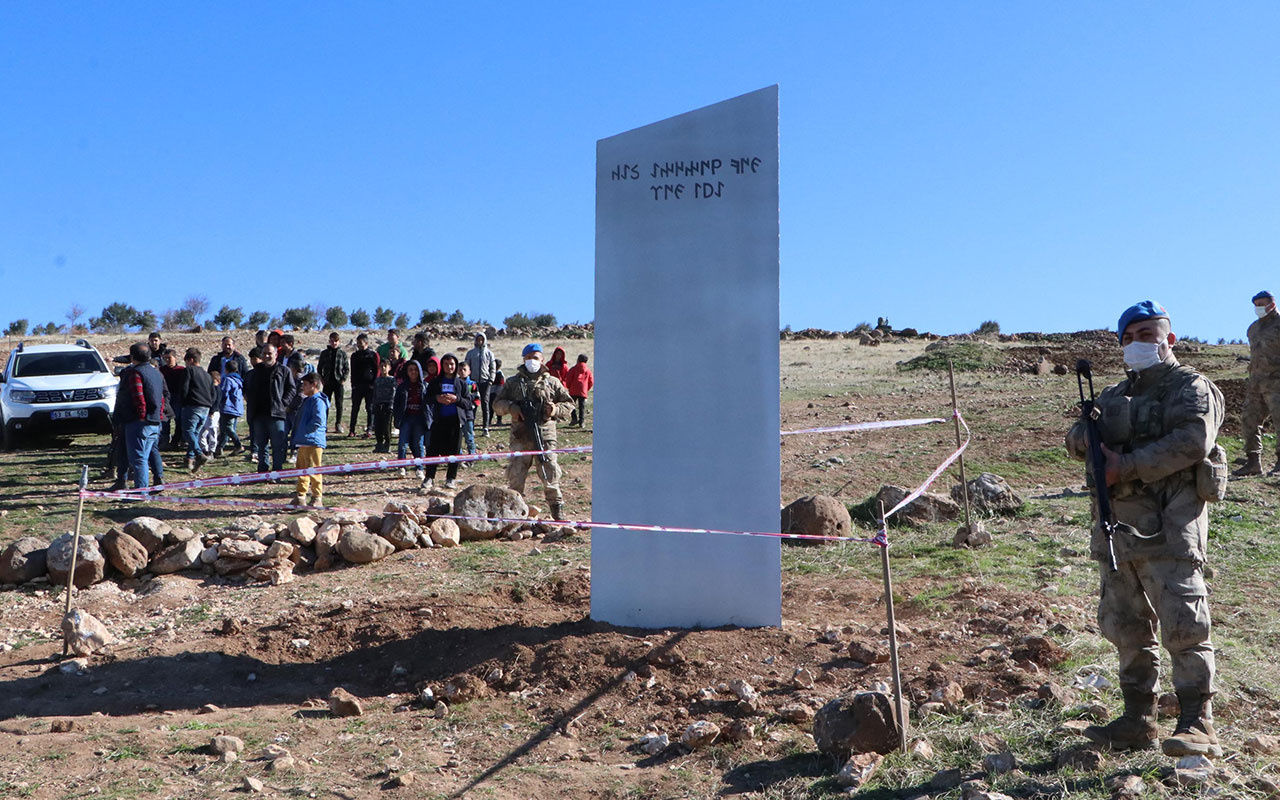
{"x": 532, "y": 364}
{"x": 1262, "y": 311}
{"x": 1140, "y": 355}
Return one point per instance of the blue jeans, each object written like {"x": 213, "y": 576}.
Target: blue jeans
{"x": 413, "y": 432}
{"x": 140, "y": 440}
{"x": 469, "y": 435}
{"x": 193, "y": 419}
{"x": 227, "y": 430}
{"x": 269, "y": 431}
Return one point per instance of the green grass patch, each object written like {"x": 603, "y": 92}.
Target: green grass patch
{"x": 964, "y": 356}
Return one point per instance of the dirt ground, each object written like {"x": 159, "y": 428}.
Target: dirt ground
{"x": 561, "y": 702}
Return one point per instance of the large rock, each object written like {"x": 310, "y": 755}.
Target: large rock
{"x": 327, "y": 543}
{"x": 84, "y": 632}
{"x": 361, "y": 547}
{"x": 125, "y": 553}
{"x": 928, "y": 507}
{"x": 445, "y": 533}
{"x": 485, "y": 503}
{"x": 90, "y": 564}
{"x": 149, "y": 532}
{"x": 856, "y": 723}
{"x": 302, "y": 530}
{"x": 401, "y": 530}
{"x": 817, "y": 515}
{"x": 24, "y": 560}
{"x": 989, "y": 494}
{"x": 183, "y": 555}
{"x": 246, "y": 549}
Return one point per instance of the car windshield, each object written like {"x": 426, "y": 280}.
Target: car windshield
{"x": 37, "y": 365}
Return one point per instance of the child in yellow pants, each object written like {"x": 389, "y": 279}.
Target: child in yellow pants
{"x": 309, "y": 439}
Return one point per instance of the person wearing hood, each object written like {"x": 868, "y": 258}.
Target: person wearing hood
{"x": 309, "y": 439}
{"x": 412, "y": 413}
{"x": 1158, "y": 428}
{"x": 558, "y": 366}
{"x": 1262, "y": 392}
{"x": 480, "y": 361}
{"x": 230, "y": 407}
{"x": 532, "y": 386}
{"x": 450, "y": 408}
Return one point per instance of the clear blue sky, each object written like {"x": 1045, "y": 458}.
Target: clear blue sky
{"x": 1039, "y": 164}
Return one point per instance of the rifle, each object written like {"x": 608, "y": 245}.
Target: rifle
{"x": 531, "y": 410}
{"x": 1097, "y": 459}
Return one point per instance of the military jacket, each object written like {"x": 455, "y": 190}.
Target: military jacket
{"x": 1264, "y": 350}
{"x": 543, "y": 388}
{"x": 1164, "y": 423}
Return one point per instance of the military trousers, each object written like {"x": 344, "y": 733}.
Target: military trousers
{"x": 1260, "y": 402}
{"x": 1168, "y": 594}
{"x": 549, "y": 471}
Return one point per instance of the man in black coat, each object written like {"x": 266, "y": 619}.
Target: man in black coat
{"x": 267, "y": 399}
{"x": 333, "y": 368}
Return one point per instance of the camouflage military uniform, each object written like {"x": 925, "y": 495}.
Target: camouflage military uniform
{"x": 543, "y": 388}
{"x": 1163, "y": 423}
{"x": 1262, "y": 397}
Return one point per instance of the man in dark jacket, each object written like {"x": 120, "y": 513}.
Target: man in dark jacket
{"x": 267, "y": 399}
{"x": 139, "y": 407}
{"x": 228, "y": 353}
{"x": 198, "y": 397}
{"x": 364, "y": 371}
{"x": 333, "y": 368}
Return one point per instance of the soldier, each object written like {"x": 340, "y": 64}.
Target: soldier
{"x": 1262, "y": 396}
{"x": 532, "y": 382}
{"x": 1159, "y": 428}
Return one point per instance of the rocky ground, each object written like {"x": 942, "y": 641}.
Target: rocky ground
{"x": 475, "y": 669}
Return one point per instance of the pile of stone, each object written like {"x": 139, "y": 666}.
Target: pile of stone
{"x": 251, "y": 549}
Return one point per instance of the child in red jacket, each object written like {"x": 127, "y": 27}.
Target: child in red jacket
{"x": 579, "y": 380}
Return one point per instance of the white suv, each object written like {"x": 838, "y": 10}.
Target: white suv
{"x": 66, "y": 388}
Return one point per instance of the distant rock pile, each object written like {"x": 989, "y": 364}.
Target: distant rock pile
{"x": 253, "y": 550}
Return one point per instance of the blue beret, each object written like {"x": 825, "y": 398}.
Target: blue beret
{"x": 1263, "y": 295}
{"x": 530, "y": 348}
{"x": 1147, "y": 309}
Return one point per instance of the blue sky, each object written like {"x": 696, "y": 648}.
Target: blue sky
{"x": 1039, "y": 164}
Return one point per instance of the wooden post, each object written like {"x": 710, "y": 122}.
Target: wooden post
{"x": 955, "y": 417}
{"x": 75, "y": 549}
{"x": 899, "y": 706}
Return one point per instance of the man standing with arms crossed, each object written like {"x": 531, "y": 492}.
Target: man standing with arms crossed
{"x": 1159, "y": 428}
{"x": 1262, "y": 394}
{"x": 334, "y": 367}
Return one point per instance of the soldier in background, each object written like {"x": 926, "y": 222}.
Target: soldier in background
{"x": 1159, "y": 428}
{"x": 1262, "y": 395}
{"x": 532, "y": 385}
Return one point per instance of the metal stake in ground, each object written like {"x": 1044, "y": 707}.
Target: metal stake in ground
{"x": 75, "y": 550}
{"x": 955, "y": 416}
{"x": 898, "y": 706}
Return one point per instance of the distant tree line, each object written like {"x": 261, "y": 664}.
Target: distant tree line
{"x": 122, "y": 317}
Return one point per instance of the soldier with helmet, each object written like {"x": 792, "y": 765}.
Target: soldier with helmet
{"x": 1159, "y": 428}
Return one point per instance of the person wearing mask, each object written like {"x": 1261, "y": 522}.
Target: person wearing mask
{"x": 364, "y": 373}
{"x": 334, "y": 367}
{"x": 412, "y": 412}
{"x": 1158, "y": 431}
{"x": 450, "y": 408}
{"x": 198, "y": 397}
{"x": 534, "y": 388}
{"x": 481, "y": 362}
{"x": 272, "y": 391}
{"x": 1262, "y": 392}
{"x": 139, "y": 408}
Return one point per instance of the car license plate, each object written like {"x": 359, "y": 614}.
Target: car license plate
{"x": 75, "y": 413}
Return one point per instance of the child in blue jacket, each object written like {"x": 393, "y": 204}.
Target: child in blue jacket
{"x": 230, "y": 407}
{"x": 309, "y": 439}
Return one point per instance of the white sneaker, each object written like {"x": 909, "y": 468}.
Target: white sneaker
{"x": 451, "y": 484}
{"x": 427, "y": 483}
{"x": 402, "y": 472}
{"x": 420, "y": 473}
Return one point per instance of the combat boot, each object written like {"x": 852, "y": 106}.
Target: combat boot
{"x": 1194, "y": 735}
{"x": 557, "y": 512}
{"x": 1135, "y": 729}
{"x": 1252, "y": 466}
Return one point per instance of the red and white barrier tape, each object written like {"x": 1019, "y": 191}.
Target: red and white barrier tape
{"x": 243, "y": 478}
{"x": 919, "y": 490}
{"x": 866, "y": 426}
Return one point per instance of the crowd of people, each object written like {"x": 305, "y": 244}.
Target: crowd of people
{"x": 430, "y": 405}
